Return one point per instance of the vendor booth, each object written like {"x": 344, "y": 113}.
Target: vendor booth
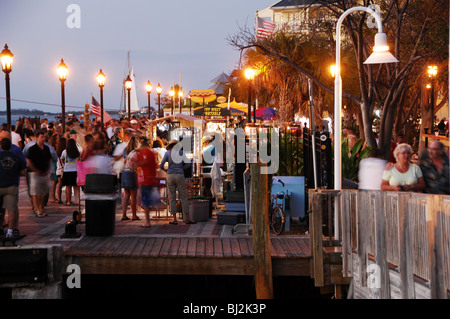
{"x": 235, "y": 108}
{"x": 211, "y": 111}
{"x": 182, "y": 127}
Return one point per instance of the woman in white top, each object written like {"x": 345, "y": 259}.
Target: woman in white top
{"x": 16, "y": 139}
{"x": 69, "y": 157}
{"x": 403, "y": 176}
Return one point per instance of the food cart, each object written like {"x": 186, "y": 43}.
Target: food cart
{"x": 182, "y": 126}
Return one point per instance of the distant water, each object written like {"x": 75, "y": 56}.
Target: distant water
{"x": 15, "y": 117}
{"x": 50, "y": 117}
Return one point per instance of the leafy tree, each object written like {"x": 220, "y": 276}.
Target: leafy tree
{"x": 417, "y": 33}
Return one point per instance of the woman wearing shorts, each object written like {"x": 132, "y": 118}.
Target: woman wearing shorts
{"x": 69, "y": 157}
{"x": 129, "y": 178}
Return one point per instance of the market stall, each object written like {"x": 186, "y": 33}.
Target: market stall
{"x": 235, "y": 108}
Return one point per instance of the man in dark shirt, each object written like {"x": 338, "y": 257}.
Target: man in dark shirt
{"x": 11, "y": 167}
{"x": 434, "y": 164}
{"x": 16, "y": 150}
{"x": 38, "y": 160}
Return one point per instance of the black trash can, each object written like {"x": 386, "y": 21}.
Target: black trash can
{"x": 101, "y": 195}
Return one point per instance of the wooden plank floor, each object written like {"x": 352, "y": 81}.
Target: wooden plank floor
{"x": 134, "y": 246}
{"x": 201, "y": 248}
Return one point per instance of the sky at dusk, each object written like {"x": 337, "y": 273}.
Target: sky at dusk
{"x": 165, "y": 39}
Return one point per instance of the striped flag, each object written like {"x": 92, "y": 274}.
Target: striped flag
{"x": 265, "y": 27}
{"x": 97, "y": 110}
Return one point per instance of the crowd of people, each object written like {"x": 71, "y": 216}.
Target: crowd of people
{"x": 53, "y": 160}
{"x": 427, "y": 173}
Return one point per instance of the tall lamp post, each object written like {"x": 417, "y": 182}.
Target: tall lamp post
{"x": 180, "y": 95}
{"x": 62, "y": 73}
{"x": 158, "y": 91}
{"x": 250, "y": 75}
{"x": 128, "y": 83}
{"x": 380, "y": 54}
{"x": 190, "y": 105}
{"x": 7, "y": 58}
{"x": 148, "y": 87}
{"x": 432, "y": 72}
{"x": 172, "y": 94}
{"x": 101, "y": 84}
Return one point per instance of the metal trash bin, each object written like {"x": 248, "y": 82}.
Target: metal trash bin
{"x": 100, "y": 196}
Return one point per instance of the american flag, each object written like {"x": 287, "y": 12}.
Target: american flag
{"x": 97, "y": 110}
{"x": 265, "y": 27}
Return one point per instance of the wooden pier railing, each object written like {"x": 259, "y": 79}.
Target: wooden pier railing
{"x": 394, "y": 245}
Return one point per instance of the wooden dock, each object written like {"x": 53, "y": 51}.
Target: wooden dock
{"x": 395, "y": 245}
{"x": 204, "y": 248}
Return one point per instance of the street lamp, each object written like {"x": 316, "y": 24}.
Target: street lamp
{"x": 333, "y": 70}
{"x": 190, "y": 104}
{"x": 148, "y": 87}
{"x": 128, "y": 83}
{"x": 101, "y": 84}
{"x": 380, "y": 54}
{"x": 180, "y": 95}
{"x": 250, "y": 75}
{"x": 172, "y": 94}
{"x": 159, "y": 90}
{"x": 432, "y": 72}
{"x": 62, "y": 73}
{"x": 6, "y": 59}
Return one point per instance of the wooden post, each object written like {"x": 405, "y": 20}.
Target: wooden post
{"x": 261, "y": 234}
{"x": 347, "y": 264}
{"x": 361, "y": 218}
{"x": 406, "y": 263}
{"x": 437, "y": 286}
{"x": 380, "y": 247}
{"x": 316, "y": 236}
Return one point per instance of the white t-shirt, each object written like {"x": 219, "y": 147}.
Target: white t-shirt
{"x": 371, "y": 173}
{"x": 70, "y": 164}
{"x": 118, "y": 165}
{"x": 395, "y": 178}
{"x": 110, "y": 131}
{"x": 15, "y": 138}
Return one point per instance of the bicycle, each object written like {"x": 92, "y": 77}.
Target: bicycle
{"x": 277, "y": 216}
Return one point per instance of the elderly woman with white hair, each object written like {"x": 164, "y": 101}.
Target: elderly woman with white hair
{"x": 403, "y": 175}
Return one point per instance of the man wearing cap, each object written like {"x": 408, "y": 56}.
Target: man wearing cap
{"x": 176, "y": 181}
{"x": 134, "y": 125}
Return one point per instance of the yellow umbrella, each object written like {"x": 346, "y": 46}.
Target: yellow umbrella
{"x": 235, "y": 108}
{"x": 202, "y": 96}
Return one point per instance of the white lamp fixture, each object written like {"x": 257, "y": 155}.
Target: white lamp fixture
{"x": 381, "y": 52}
